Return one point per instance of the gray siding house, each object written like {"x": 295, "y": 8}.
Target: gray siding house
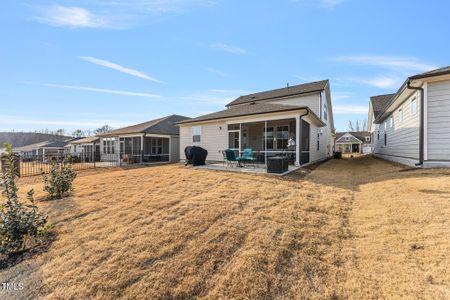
{"x": 296, "y": 119}
{"x": 412, "y": 126}
{"x": 149, "y": 142}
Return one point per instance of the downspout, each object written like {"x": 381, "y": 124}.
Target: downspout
{"x": 422, "y": 121}
{"x": 300, "y": 135}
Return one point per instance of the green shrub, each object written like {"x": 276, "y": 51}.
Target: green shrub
{"x": 19, "y": 223}
{"x": 59, "y": 182}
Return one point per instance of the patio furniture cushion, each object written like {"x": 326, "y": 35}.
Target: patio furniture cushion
{"x": 248, "y": 154}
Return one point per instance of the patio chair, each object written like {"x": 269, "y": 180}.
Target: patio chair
{"x": 248, "y": 156}
{"x": 231, "y": 159}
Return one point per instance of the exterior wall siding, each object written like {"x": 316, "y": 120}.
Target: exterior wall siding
{"x": 402, "y": 137}
{"x": 438, "y": 114}
{"x": 212, "y": 139}
{"x": 174, "y": 148}
{"x": 311, "y": 101}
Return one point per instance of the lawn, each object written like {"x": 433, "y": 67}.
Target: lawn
{"x": 351, "y": 228}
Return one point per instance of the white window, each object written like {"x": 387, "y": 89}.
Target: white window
{"x": 196, "y": 133}
{"x": 400, "y": 115}
{"x": 325, "y": 112}
{"x": 385, "y": 125}
{"x": 109, "y": 145}
{"x": 367, "y": 138}
{"x": 413, "y": 106}
{"x": 391, "y": 121}
{"x": 347, "y": 138}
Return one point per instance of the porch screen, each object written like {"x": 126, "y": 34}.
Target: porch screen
{"x": 282, "y": 137}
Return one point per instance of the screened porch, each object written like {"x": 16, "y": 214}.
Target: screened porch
{"x": 144, "y": 149}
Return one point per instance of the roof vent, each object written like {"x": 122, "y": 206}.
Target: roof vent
{"x": 253, "y": 97}
{"x": 252, "y": 103}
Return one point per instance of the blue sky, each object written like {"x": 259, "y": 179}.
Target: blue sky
{"x": 82, "y": 64}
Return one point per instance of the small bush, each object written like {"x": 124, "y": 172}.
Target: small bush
{"x": 19, "y": 223}
{"x": 59, "y": 183}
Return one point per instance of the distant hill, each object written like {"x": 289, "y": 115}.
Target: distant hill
{"x": 19, "y": 139}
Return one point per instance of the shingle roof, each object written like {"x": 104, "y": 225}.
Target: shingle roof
{"x": 165, "y": 125}
{"x": 432, "y": 73}
{"x": 436, "y": 72}
{"x": 55, "y": 144}
{"x": 380, "y": 103}
{"x": 246, "y": 110}
{"x": 360, "y": 135}
{"x": 86, "y": 140}
{"x": 283, "y": 92}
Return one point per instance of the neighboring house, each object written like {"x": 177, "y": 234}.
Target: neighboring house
{"x": 265, "y": 122}
{"x": 43, "y": 150}
{"x": 412, "y": 125}
{"x": 87, "y": 149}
{"x": 84, "y": 145}
{"x": 152, "y": 141}
{"x": 353, "y": 142}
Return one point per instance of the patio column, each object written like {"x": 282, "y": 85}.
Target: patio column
{"x": 297, "y": 141}
{"x": 265, "y": 143}
{"x": 142, "y": 149}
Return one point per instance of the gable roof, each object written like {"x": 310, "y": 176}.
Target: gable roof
{"x": 380, "y": 103}
{"x": 360, "y": 135}
{"x": 435, "y": 72}
{"x": 432, "y": 73}
{"x": 165, "y": 125}
{"x": 305, "y": 88}
{"x": 247, "y": 110}
{"x": 86, "y": 140}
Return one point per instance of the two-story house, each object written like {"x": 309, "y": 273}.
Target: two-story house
{"x": 412, "y": 126}
{"x": 296, "y": 119}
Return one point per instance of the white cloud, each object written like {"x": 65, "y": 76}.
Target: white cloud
{"x": 329, "y": 4}
{"x": 73, "y": 17}
{"x": 228, "y": 48}
{"x": 383, "y": 82}
{"x": 214, "y": 97}
{"x": 117, "y": 67}
{"x": 217, "y": 72}
{"x": 399, "y": 64}
{"x": 93, "y": 89}
{"x": 350, "y": 109}
{"x": 339, "y": 96}
{"x": 23, "y": 120}
{"x": 114, "y": 14}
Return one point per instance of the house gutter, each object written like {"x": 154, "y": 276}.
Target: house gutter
{"x": 422, "y": 120}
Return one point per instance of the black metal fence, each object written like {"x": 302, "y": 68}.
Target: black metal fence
{"x": 31, "y": 165}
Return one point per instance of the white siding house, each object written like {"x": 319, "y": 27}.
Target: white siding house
{"x": 264, "y": 122}
{"x": 405, "y": 132}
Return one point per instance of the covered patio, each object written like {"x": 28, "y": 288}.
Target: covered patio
{"x": 144, "y": 149}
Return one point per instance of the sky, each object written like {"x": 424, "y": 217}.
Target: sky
{"x": 82, "y": 64}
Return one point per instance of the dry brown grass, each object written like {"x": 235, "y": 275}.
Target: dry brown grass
{"x": 349, "y": 229}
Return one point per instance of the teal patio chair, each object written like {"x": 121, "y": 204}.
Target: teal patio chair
{"x": 231, "y": 159}
{"x": 247, "y": 156}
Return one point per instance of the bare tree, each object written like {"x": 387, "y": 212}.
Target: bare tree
{"x": 356, "y": 126}
{"x": 103, "y": 129}
{"x": 78, "y": 133}
{"x": 60, "y": 131}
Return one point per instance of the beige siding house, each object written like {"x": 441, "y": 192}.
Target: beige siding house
{"x": 412, "y": 126}
{"x": 296, "y": 120}
{"x": 353, "y": 142}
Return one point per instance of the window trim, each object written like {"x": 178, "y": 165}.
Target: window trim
{"x": 400, "y": 115}
{"x": 413, "y": 104}
{"x": 199, "y": 134}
